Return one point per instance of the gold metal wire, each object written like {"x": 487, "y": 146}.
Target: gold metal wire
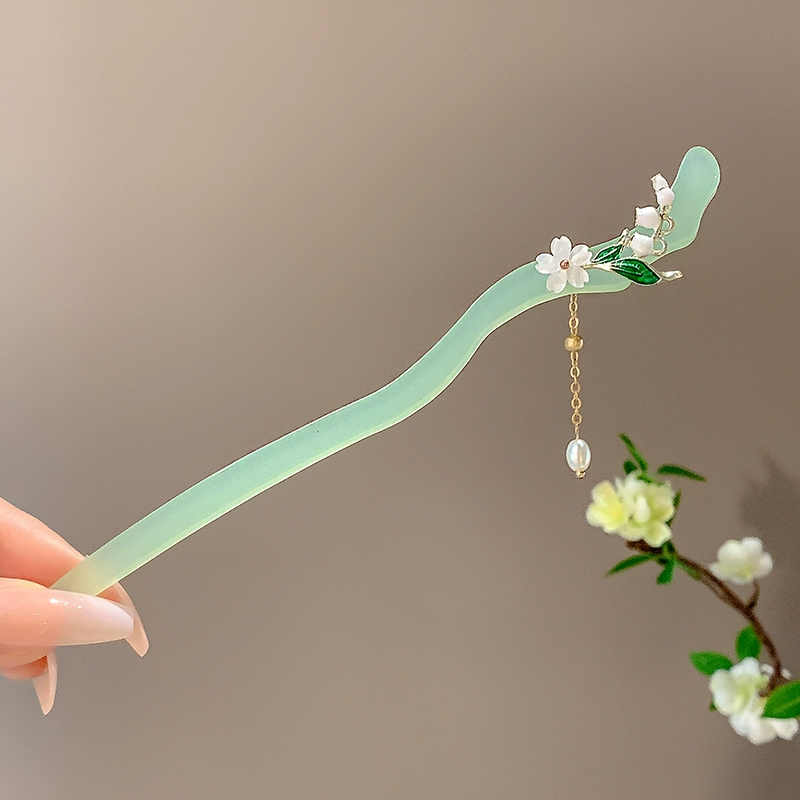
{"x": 574, "y": 370}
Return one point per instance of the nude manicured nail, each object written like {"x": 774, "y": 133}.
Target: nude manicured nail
{"x": 45, "y": 684}
{"x": 138, "y": 639}
{"x": 51, "y": 618}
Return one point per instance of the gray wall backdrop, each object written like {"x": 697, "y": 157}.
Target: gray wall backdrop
{"x": 220, "y": 220}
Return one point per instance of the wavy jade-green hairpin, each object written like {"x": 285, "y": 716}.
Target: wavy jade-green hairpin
{"x": 615, "y": 265}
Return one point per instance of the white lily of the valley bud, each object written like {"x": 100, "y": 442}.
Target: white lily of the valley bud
{"x": 659, "y": 182}
{"x": 642, "y": 245}
{"x": 665, "y": 195}
{"x": 648, "y": 217}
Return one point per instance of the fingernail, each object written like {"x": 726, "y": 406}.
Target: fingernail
{"x": 138, "y": 639}
{"x": 50, "y": 618}
{"x": 45, "y": 684}
{"x": 90, "y": 620}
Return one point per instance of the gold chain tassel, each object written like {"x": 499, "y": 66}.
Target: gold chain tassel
{"x": 578, "y": 453}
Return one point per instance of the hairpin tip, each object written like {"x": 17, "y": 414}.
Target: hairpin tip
{"x": 671, "y": 275}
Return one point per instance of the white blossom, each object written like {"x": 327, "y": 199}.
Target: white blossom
{"x": 642, "y": 245}
{"x": 564, "y": 264}
{"x": 736, "y": 695}
{"x": 742, "y": 561}
{"x": 633, "y": 509}
{"x": 648, "y": 217}
{"x": 664, "y": 194}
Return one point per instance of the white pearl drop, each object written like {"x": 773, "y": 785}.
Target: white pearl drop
{"x": 579, "y": 456}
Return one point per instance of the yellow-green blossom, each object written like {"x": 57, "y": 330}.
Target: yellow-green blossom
{"x": 606, "y": 511}
{"x": 634, "y": 509}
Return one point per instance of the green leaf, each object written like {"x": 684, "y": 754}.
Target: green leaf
{"x": 690, "y": 571}
{"x": 784, "y": 702}
{"x": 711, "y": 706}
{"x": 676, "y": 503}
{"x": 629, "y": 466}
{"x": 747, "y": 643}
{"x": 668, "y": 546}
{"x": 682, "y": 472}
{"x": 635, "y": 270}
{"x": 627, "y": 563}
{"x": 608, "y": 254}
{"x": 667, "y": 573}
{"x": 635, "y": 455}
{"x": 709, "y": 662}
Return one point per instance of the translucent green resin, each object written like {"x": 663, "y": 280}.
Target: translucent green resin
{"x": 233, "y": 485}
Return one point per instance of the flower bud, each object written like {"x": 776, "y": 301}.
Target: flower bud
{"x": 648, "y": 217}
{"x": 659, "y": 182}
{"x": 642, "y": 245}
{"x": 666, "y": 197}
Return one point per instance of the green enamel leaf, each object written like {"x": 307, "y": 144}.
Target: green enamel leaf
{"x": 635, "y": 270}
{"x": 709, "y": 662}
{"x": 747, "y": 643}
{"x": 627, "y": 563}
{"x": 608, "y": 254}
{"x": 784, "y": 702}
{"x": 667, "y": 573}
{"x": 635, "y": 455}
{"x": 629, "y": 467}
{"x": 677, "y": 502}
{"x": 681, "y": 472}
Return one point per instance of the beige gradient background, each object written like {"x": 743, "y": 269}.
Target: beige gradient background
{"x": 220, "y": 220}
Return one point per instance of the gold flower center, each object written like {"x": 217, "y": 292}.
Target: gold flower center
{"x": 564, "y": 264}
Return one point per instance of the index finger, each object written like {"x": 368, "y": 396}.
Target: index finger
{"x": 33, "y": 552}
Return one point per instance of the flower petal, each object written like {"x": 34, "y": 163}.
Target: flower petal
{"x": 642, "y": 245}
{"x": 785, "y": 728}
{"x": 763, "y": 566}
{"x": 648, "y": 217}
{"x": 752, "y": 546}
{"x": 577, "y": 276}
{"x": 659, "y": 182}
{"x": 580, "y": 255}
{"x": 561, "y": 248}
{"x": 546, "y": 263}
{"x": 657, "y": 533}
{"x": 557, "y": 280}
{"x": 665, "y": 196}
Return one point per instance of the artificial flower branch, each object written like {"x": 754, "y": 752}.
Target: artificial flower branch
{"x": 759, "y": 700}
{"x": 702, "y": 574}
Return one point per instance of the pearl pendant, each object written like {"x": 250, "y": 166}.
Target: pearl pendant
{"x": 579, "y": 456}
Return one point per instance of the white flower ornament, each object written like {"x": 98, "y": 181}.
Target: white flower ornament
{"x": 564, "y": 264}
{"x": 664, "y": 193}
{"x": 742, "y": 561}
{"x": 654, "y": 218}
{"x": 642, "y": 245}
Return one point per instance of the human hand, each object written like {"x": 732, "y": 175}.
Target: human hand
{"x": 35, "y": 619}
